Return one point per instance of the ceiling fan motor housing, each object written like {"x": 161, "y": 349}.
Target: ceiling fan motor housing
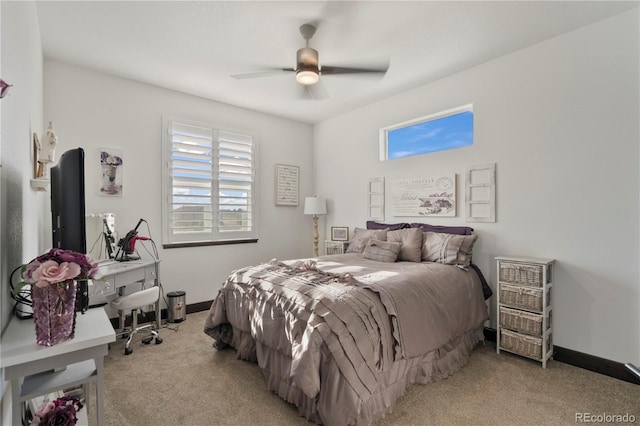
{"x": 307, "y": 71}
{"x": 307, "y": 57}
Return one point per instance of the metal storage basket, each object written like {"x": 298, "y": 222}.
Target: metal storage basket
{"x": 521, "y": 320}
{"x": 521, "y": 297}
{"x": 516, "y": 273}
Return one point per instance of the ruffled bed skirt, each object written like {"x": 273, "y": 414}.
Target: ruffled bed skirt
{"x": 337, "y": 392}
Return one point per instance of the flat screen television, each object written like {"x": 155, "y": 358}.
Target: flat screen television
{"x": 68, "y": 227}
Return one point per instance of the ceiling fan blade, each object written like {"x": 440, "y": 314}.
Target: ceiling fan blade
{"x": 266, "y": 73}
{"x": 317, "y": 91}
{"x": 327, "y": 69}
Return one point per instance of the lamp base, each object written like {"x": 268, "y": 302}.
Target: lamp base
{"x": 315, "y": 235}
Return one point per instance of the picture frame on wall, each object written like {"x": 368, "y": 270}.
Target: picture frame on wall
{"x": 111, "y": 172}
{"x": 339, "y": 233}
{"x": 287, "y": 185}
{"x": 426, "y": 196}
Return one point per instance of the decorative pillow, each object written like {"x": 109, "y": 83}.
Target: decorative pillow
{"x": 411, "y": 240}
{"x": 382, "y": 251}
{"x": 361, "y": 236}
{"x": 458, "y": 230}
{"x": 449, "y": 249}
{"x": 390, "y": 226}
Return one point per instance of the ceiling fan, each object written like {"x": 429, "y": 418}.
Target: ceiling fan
{"x": 308, "y": 69}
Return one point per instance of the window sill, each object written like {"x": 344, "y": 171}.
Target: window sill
{"x": 209, "y": 243}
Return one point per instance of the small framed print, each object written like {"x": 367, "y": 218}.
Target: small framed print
{"x": 339, "y": 233}
{"x": 287, "y": 183}
{"x": 111, "y": 171}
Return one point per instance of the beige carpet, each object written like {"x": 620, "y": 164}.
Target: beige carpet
{"x": 184, "y": 381}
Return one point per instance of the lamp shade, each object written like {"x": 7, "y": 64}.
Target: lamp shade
{"x": 315, "y": 205}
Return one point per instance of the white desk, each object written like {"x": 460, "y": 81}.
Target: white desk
{"x": 29, "y": 366}
{"x": 118, "y": 275}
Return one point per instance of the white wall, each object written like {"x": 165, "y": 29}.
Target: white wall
{"x": 560, "y": 120}
{"x": 21, "y": 214}
{"x": 93, "y": 110}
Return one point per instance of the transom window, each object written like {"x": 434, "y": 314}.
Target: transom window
{"x": 437, "y": 132}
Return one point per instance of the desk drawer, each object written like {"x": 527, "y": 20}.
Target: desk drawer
{"x": 124, "y": 277}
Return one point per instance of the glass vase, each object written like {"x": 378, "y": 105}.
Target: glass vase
{"x": 54, "y": 312}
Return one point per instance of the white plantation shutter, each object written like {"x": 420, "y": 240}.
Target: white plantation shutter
{"x": 235, "y": 182}
{"x": 209, "y": 185}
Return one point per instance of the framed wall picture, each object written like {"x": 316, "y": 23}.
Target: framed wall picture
{"x": 287, "y": 185}
{"x": 111, "y": 172}
{"x": 339, "y": 233}
{"x": 427, "y": 196}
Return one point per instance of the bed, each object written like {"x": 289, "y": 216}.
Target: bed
{"x": 342, "y": 336}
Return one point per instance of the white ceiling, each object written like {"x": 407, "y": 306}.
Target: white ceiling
{"x": 194, "y": 47}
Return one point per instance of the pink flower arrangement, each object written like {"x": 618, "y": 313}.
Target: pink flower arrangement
{"x": 61, "y": 412}
{"x": 58, "y": 266}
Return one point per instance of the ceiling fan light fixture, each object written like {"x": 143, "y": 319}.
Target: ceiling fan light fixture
{"x": 307, "y": 77}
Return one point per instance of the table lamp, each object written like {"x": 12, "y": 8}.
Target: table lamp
{"x": 315, "y": 206}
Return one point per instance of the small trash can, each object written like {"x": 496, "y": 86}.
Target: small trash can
{"x": 176, "y": 306}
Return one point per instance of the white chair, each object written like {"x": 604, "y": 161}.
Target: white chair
{"x": 130, "y": 304}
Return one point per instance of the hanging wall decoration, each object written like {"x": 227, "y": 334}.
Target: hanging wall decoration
{"x": 375, "y": 197}
{"x": 111, "y": 172}
{"x": 287, "y": 185}
{"x": 428, "y": 196}
{"x": 480, "y": 193}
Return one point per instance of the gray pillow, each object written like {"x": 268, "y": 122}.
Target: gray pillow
{"x": 362, "y": 236}
{"x": 382, "y": 251}
{"x": 449, "y": 249}
{"x": 411, "y": 239}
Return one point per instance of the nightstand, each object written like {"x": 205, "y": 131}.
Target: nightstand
{"x": 524, "y": 307}
{"x": 335, "y": 247}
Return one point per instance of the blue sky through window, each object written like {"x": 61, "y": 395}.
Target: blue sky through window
{"x": 439, "y": 134}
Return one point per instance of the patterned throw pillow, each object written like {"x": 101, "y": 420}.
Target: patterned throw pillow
{"x": 382, "y": 251}
{"x": 449, "y": 249}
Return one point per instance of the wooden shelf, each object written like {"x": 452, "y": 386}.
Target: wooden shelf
{"x": 49, "y": 381}
{"x": 40, "y": 184}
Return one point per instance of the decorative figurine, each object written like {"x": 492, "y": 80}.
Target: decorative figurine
{"x": 48, "y": 149}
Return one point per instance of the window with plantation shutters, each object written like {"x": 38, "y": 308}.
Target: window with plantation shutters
{"x": 208, "y": 186}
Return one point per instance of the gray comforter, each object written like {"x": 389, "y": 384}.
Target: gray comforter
{"x": 342, "y": 336}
